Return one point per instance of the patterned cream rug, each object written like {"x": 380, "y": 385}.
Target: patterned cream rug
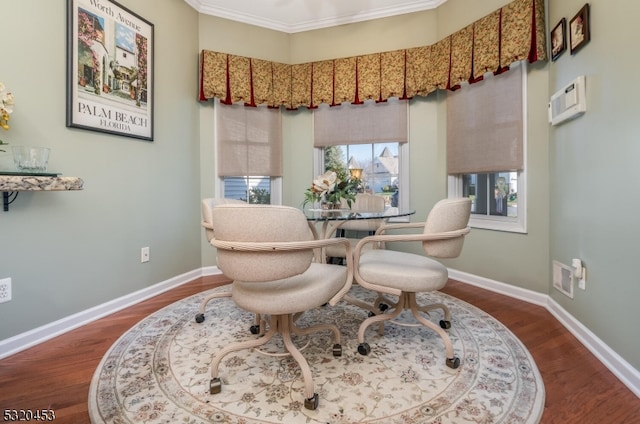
{"x": 158, "y": 372}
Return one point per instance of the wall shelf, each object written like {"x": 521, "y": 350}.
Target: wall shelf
{"x": 11, "y": 183}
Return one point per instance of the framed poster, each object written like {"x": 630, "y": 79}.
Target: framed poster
{"x": 558, "y": 39}
{"x": 109, "y": 69}
{"x": 579, "y": 33}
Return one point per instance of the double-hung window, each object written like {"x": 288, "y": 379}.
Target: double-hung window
{"x": 486, "y": 146}
{"x": 371, "y": 138}
{"x": 249, "y": 152}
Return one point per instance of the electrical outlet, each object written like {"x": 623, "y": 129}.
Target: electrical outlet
{"x": 5, "y": 290}
{"x": 582, "y": 283}
{"x": 144, "y": 254}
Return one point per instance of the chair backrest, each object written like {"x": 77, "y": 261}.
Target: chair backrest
{"x": 365, "y": 202}
{"x": 447, "y": 215}
{"x": 207, "y": 210}
{"x": 261, "y": 224}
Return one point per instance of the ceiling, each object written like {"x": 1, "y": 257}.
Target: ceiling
{"x": 293, "y": 16}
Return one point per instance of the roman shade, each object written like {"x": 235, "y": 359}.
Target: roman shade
{"x": 356, "y": 124}
{"x": 484, "y": 125}
{"x": 249, "y": 141}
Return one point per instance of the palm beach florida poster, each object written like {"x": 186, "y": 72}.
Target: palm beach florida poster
{"x": 109, "y": 69}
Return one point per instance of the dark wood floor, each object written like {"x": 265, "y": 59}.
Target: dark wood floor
{"x": 579, "y": 389}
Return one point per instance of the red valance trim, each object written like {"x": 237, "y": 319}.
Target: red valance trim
{"x": 333, "y": 84}
{"x": 202, "y": 96}
{"x": 311, "y": 104}
{"x": 252, "y": 100}
{"x": 228, "y": 100}
{"x": 356, "y": 100}
{"x": 533, "y": 52}
{"x": 457, "y": 86}
{"x": 473, "y": 80}
{"x": 500, "y": 69}
{"x": 404, "y": 79}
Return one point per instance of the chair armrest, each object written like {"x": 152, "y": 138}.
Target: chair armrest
{"x": 382, "y": 238}
{"x": 207, "y": 225}
{"x": 296, "y": 245}
{"x": 399, "y": 226}
{"x": 250, "y": 246}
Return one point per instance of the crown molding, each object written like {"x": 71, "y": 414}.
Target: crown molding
{"x": 292, "y": 26}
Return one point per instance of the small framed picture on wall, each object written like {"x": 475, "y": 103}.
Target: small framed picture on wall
{"x": 579, "y": 33}
{"x": 559, "y": 39}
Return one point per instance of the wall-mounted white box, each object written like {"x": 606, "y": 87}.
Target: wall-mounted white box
{"x": 569, "y": 102}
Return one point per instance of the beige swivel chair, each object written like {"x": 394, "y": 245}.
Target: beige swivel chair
{"x": 364, "y": 202}
{"x": 207, "y": 223}
{"x": 268, "y": 252}
{"x": 404, "y": 274}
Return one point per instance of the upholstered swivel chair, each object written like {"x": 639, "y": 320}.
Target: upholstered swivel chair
{"x": 364, "y": 202}
{"x": 207, "y": 223}
{"x": 402, "y": 274}
{"x": 268, "y": 252}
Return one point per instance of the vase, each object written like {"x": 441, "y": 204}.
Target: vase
{"x": 330, "y": 205}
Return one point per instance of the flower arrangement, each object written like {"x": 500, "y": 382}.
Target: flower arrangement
{"x": 6, "y": 107}
{"x": 331, "y": 187}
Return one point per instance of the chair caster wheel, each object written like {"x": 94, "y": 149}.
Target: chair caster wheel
{"x": 364, "y": 349}
{"x": 312, "y": 402}
{"x": 383, "y": 307}
{"x": 337, "y": 349}
{"x": 372, "y": 314}
{"x": 445, "y": 324}
{"x": 453, "y": 362}
{"x": 200, "y": 318}
{"x": 215, "y": 386}
{"x": 255, "y": 329}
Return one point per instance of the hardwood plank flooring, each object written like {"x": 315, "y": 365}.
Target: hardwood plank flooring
{"x": 579, "y": 389}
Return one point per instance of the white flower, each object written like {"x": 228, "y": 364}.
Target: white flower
{"x": 6, "y": 106}
{"x": 325, "y": 183}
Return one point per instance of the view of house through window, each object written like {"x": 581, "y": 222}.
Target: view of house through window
{"x": 492, "y": 194}
{"x": 378, "y": 162}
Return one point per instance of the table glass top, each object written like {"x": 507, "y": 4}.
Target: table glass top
{"x": 347, "y": 214}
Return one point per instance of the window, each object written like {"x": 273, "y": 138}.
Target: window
{"x": 379, "y": 163}
{"x": 249, "y": 153}
{"x": 251, "y": 189}
{"x": 371, "y": 137}
{"x": 486, "y": 145}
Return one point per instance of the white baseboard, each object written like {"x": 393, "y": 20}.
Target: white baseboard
{"x": 46, "y": 332}
{"x": 626, "y": 373}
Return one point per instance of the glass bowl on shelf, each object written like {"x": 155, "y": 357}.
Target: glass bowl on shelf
{"x": 30, "y": 159}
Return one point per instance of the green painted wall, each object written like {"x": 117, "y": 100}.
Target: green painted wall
{"x": 69, "y": 251}
{"x": 594, "y": 173}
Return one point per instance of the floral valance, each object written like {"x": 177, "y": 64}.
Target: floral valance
{"x": 514, "y": 32}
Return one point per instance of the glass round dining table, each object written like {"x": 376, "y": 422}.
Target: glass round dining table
{"x": 332, "y": 219}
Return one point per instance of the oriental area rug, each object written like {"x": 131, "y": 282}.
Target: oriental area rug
{"x": 159, "y": 371}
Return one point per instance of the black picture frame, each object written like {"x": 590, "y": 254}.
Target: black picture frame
{"x": 559, "y": 39}
{"x": 110, "y": 53}
{"x": 579, "y": 31}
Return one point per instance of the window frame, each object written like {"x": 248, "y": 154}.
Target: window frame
{"x": 503, "y": 223}
{"x": 403, "y": 174}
